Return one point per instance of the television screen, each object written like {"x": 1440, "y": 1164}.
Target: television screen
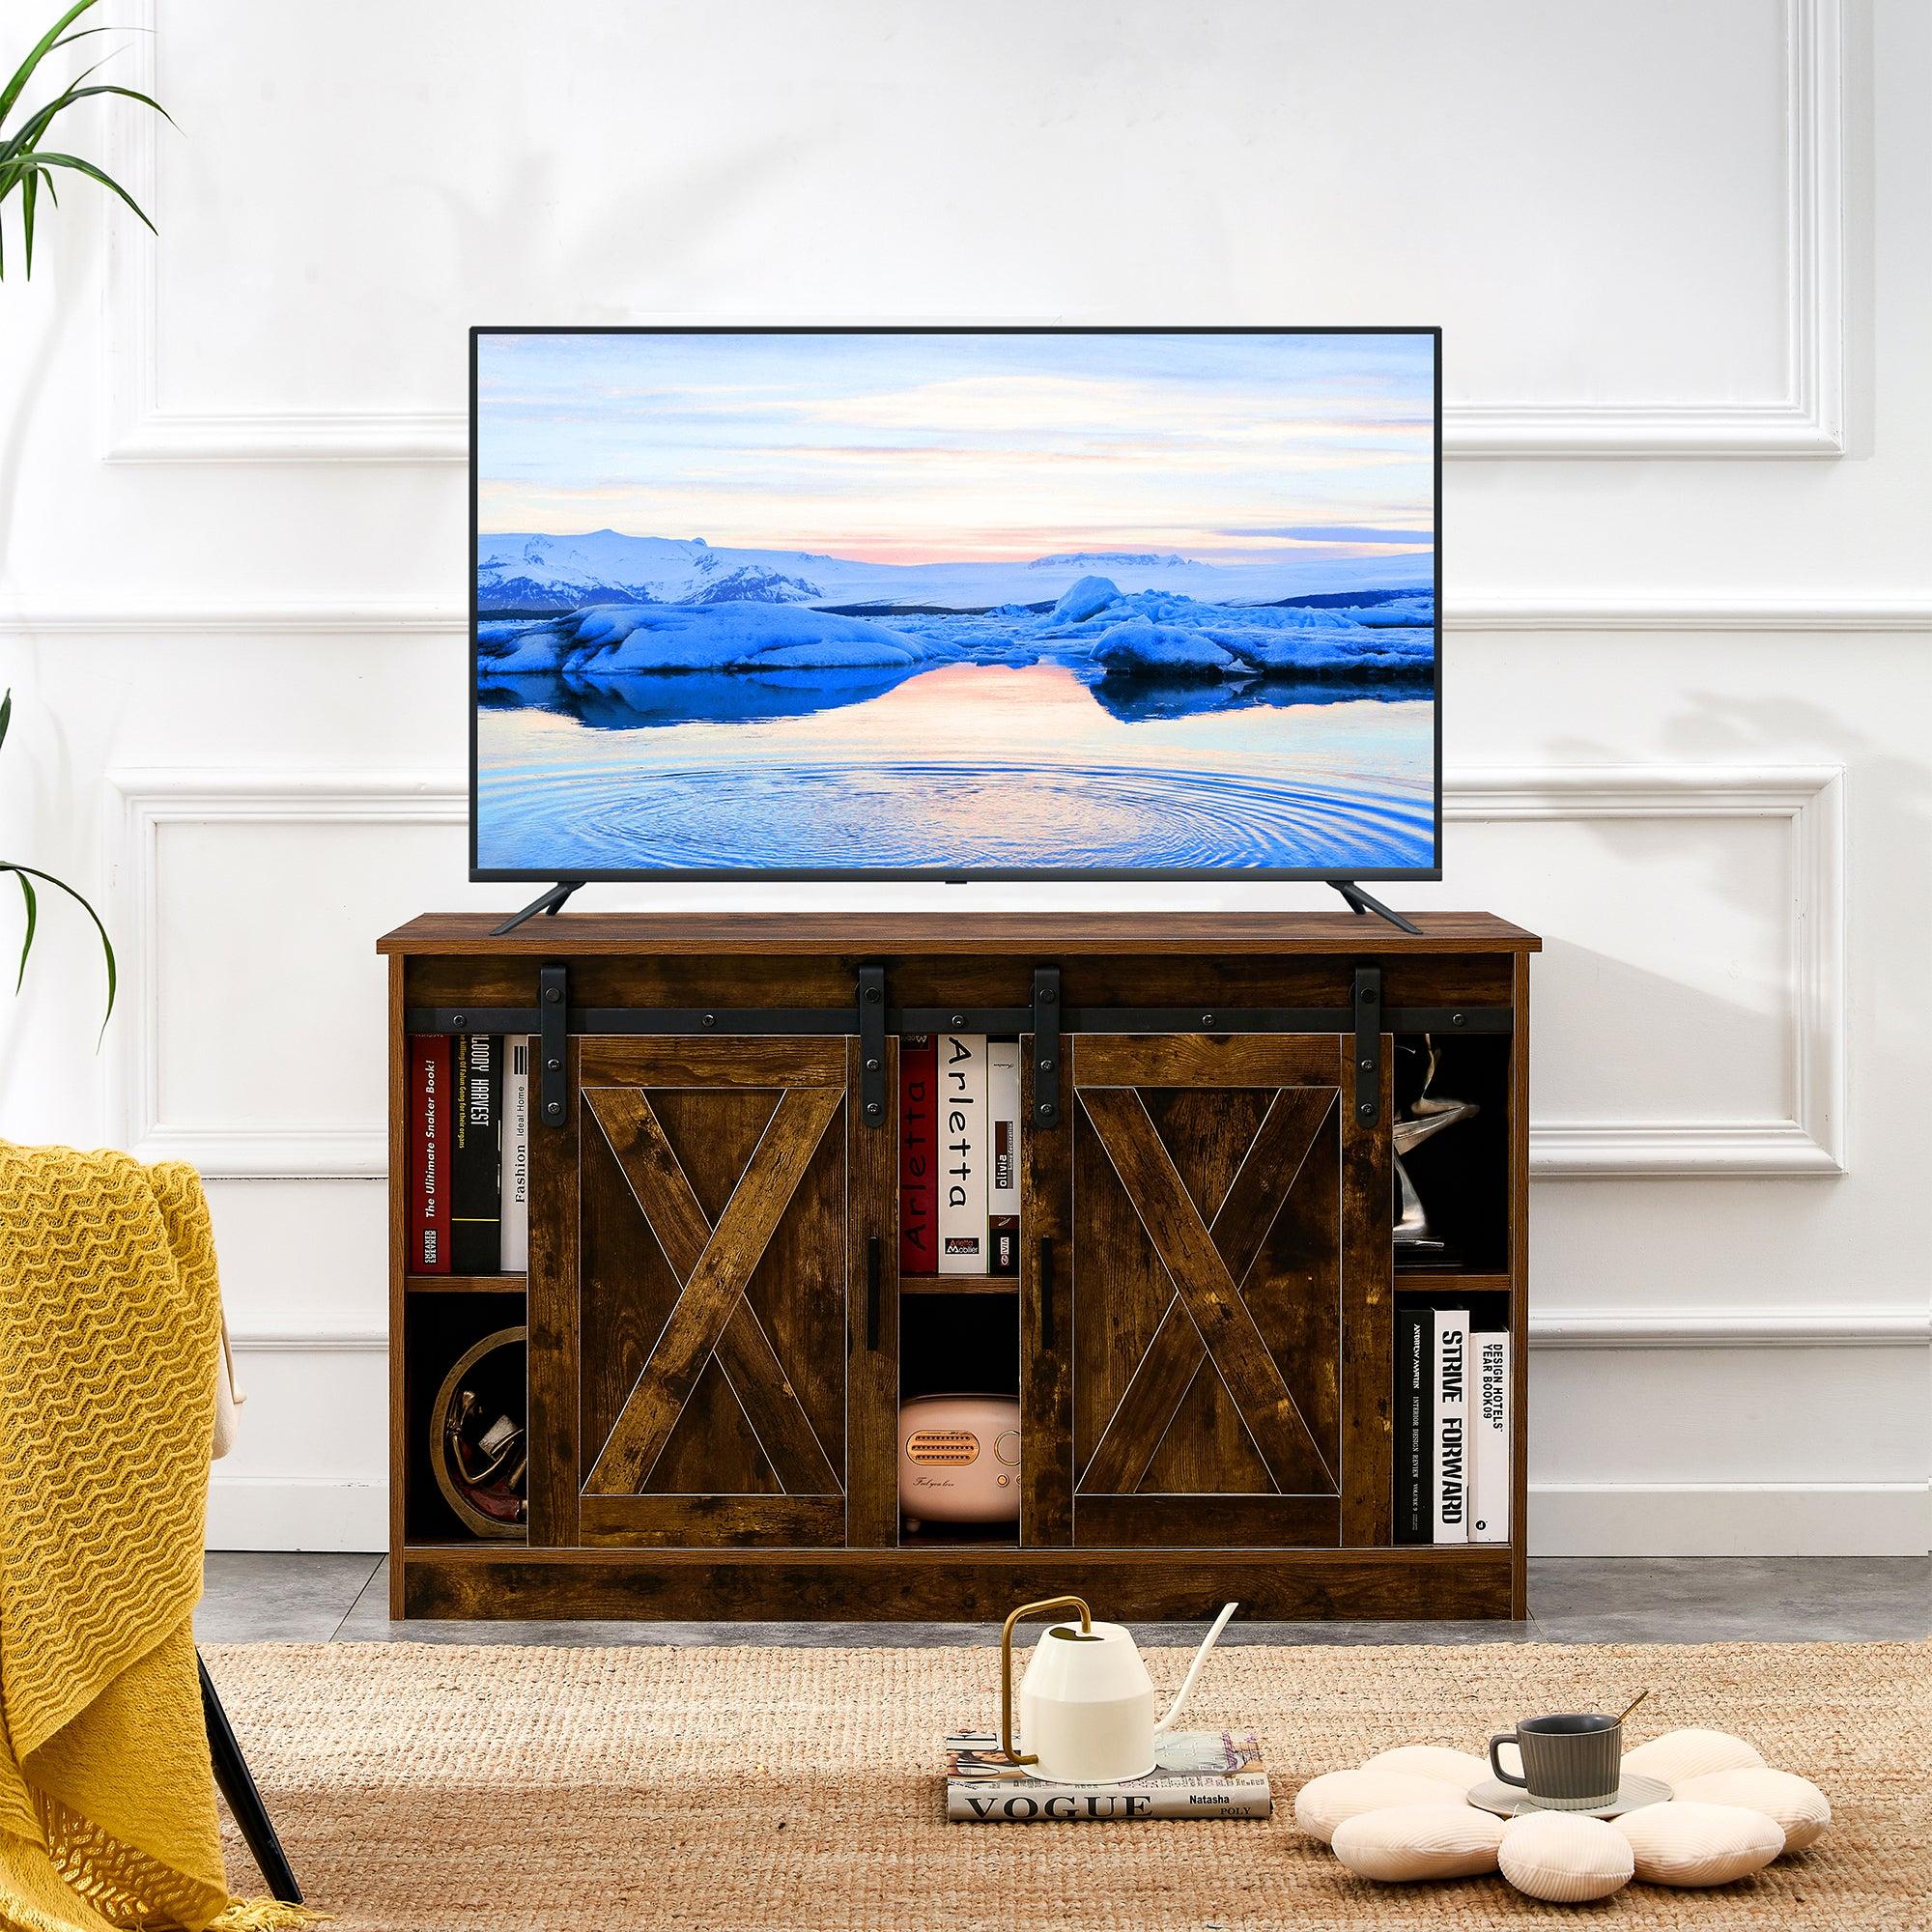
{"x": 954, "y": 603}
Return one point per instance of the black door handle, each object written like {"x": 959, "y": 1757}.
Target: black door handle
{"x": 1045, "y": 1271}
{"x": 871, "y": 1291}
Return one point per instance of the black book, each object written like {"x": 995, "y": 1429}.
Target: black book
{"x": 476, "y": 1176}
{"x": 1005, "y": 1258}
{"x": 1414, "y": 1418}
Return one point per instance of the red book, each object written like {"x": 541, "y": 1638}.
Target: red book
{"x": 919, "y": 1155}
{"x": 431, "y": 1069}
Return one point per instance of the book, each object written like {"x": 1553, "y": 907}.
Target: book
{"x": 514, "y": 1248}
{"x": 919, "y": 1155}
{"x": 477, "y": 1155}
{"x": 1003, "y": 1244}
{"x": 1414, "y": 1414}
{"x": 1196, "y": 1774}
{"x": 1449, "y": 1437}
{"x": 430, "y": 1062}
{"x": 1490, "y": 1437}
{"x": 962, "y": 1154}
{"x": 1003, "y": 1173}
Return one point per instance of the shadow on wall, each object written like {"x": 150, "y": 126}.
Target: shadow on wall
{"x": 1678, "y": 1023}
{"x": 1710, "y": 727}
{"x": 689, "y": 229}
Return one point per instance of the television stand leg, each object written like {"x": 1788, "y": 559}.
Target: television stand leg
{"x": 1362, "y": 903}
{"x": 550, "y": 903}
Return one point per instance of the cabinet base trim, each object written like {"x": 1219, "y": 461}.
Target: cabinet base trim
{"x": 967, "y": 1587}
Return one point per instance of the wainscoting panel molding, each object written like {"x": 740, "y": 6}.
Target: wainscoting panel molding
{"x": 141, "y": 804}
{"x": 364, "y": 618}
{"x": 1729, "y": 1518}
{"x": 1808, "y": 418}
{"x": 1804, "y": 418}
{"x": 346, "y": 1513}
{"x": 139, "y": 426}
{"x": 1636, "y": 1514}
{"x": 1811, "y": 800}
{"x": 1810, "y": 1142}
{"x": 1823, "y": 1326}
{"x": 1819, "y": 613}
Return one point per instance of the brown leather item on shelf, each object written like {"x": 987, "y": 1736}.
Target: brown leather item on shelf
{"x": 491, "y": 1473}
{"x": 482, "y": 1469}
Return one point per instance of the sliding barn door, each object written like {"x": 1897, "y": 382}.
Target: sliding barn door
{"x": 702, "y": 1317}
{"x": 1223, "y": 1312}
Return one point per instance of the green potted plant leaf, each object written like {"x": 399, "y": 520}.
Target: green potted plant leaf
{"x": 26, "y": 166}
{"x": 27, "y": 874}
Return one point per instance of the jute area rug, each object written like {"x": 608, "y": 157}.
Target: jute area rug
{"x": 421, "y": 1786}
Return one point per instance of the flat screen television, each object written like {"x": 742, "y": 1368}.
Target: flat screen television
{"x": 954, "y": 603}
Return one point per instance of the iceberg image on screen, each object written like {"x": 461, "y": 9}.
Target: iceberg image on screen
{"x": 954, "y": 602}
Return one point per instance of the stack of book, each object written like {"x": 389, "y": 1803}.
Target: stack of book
{"x": 470, "y": 1152}
{"x": 1452, "y": 1426}
{"x": 960, "y": 1154}
{"x": 1196, "y": 1774}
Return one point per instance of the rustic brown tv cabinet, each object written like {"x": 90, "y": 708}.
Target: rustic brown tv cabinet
{"x": 1200, "y": 1335}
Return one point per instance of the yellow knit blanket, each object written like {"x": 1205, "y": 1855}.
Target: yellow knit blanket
{"x": 110, "y": 1324}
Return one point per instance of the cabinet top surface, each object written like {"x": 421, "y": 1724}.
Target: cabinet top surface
{"x": 934, "y": 932}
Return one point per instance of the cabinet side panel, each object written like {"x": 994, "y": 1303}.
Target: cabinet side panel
{"x": 399, "y": 1239}
{"x": 1368, "y": 1313}
{"x": 1519, "y": 1265}
{"x": 1046, "y": 1321}
{"x": 553, "y": 1311}
{"x": 872, "y": 1314}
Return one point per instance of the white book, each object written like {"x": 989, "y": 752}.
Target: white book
{"x": 1195, "y": 1775}
{"x": 1490, "y": 1439}
{"x": 1003, "y": 1110}
{"x": 514, "y": 1249}
{"x": 1450, "y": 1434}
{"x": 962, "y": 1154}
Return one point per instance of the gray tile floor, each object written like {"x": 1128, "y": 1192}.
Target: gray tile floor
{"x": 264, "y": 1596}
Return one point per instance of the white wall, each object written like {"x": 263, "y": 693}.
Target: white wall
{"x": 1681, "y": 256}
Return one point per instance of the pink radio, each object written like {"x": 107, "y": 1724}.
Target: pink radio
{"x": 960, "y": 1459}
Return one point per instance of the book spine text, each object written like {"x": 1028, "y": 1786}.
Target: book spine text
{"x": 1415, "y": 1415}
{"x": 430, "y": 1063}
{"x": 516, "y": 1234}
{"x": 962, "y": 1154}
{"x": 1053, "y": 1804}
{"x": 1003, "y": 1173}
{"x": 919, "y": 1155}
{"x": 475, "y": 1233}
{"x": 1490, "y": 1439}
{"x": 1451, "y": 1433}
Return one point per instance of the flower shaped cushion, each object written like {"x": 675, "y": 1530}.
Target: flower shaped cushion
{"x": 1323, "y": 1802}
{"x": 1564, "y": 1857}
{"x": 1799, "y": 1807}
{"x": 1691, "y": 1753}
{"x": 1454, "y": 1767}
{"x": 1687, "y": 1843}
{"x": 1412, "y": 1841}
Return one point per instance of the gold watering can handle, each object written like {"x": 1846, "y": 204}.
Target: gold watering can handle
{"x": 1006, "y": 1667}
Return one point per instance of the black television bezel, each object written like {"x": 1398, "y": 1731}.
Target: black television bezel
{"x": 956, "y": 874}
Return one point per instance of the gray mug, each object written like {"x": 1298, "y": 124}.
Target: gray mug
{"x": 1571, "y": 1763}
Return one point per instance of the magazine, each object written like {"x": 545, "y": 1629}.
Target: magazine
{"x": 1196, "y": 1774}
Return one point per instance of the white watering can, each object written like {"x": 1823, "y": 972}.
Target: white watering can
{"x": 1087, "y": 1700}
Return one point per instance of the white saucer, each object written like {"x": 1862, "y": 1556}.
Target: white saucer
{"x": 1491, "y": 1794}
